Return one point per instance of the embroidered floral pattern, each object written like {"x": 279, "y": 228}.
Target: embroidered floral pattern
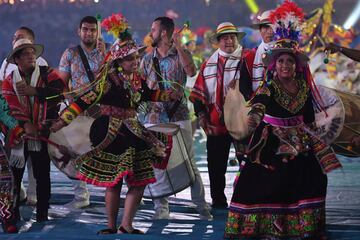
{"x": 263, "y": 90}
{"x": 292, "y": 103}
{"x": 5, "y": 188}
{"x": 105, "y": 169}
{"x": 292, "y": 140}
{"x": 303, "y": 222}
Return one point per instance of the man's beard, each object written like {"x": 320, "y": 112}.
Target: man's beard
{"x": 88, "y": 43}
{"x": 156, "y": 41}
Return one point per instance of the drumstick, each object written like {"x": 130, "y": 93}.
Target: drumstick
{"x": 352, "y": 129}
{"x": 185, "y": 25}
{"x": 61, "y": 148}
{"x": 98, "y": 19}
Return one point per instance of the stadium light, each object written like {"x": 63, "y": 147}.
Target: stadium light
{"x": 353, "y": 18}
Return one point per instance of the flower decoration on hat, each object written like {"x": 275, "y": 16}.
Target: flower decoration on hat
{"x": 286, "y": 22}
{"x": 118, "y": 26}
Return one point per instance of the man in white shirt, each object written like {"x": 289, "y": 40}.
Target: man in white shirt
{"x": 5, "y": 70}
{"x": 267, "y": 34}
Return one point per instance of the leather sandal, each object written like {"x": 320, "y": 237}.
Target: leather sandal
{"x": 107, "y": 231}
{"x": 122, "y": 230}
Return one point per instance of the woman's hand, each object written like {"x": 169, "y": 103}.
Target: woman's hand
{"x": 256, "y": 115}
{"x": 159, "y": 150}
{"x": 333, "y": 48}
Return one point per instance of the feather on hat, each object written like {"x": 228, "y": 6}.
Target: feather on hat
{"x": 286, "y": 22}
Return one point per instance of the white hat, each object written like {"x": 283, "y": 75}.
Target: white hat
{"x": 263, "y": 19}
{"x": 21, "y": 44}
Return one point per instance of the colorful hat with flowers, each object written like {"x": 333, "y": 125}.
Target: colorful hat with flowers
{"x": 286, "y": 22}
{"x": 118, "y": 26}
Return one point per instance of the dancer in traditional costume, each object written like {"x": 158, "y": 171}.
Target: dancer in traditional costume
{"x": 123, "y": 148}
{"x": 6, "y": 213}
{"x": 281, "y": 191}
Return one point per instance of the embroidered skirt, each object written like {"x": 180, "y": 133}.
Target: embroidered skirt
{"x": 287, "y": 202}
{"x": 5, "y": 187}
{"x": 123, "y": 148}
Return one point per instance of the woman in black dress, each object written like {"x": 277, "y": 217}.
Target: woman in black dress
{"x": 122, "y": 146}
{"x": 281, "y": 191}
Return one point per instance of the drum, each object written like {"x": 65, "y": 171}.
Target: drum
{"x": 75, "y": 137}
{"x": 179, "y": 173}
{"x": 236, "y": 113}
{"x": 329, "y": 124}
{"x": 342, "y": 144}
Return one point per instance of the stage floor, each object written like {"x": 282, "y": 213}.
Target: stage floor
{"x": 343, "y": 210}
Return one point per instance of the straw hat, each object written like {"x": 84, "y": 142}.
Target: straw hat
{"x": 21, "y": 44}
{"x": 225, "y": 28}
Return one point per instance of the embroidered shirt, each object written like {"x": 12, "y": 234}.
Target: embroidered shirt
{"x": 174, "y": 76}
{"x": 71, "y": 63}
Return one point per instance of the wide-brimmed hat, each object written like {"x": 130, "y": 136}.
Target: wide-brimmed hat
{"x": 120, "y": 50}
{"x": 263, "y": 19}
{"x": 21, "y": 44}
{"x": 284, "y": 46}
{"x": 286, "y": 21}
{"x": 226, "y": 28}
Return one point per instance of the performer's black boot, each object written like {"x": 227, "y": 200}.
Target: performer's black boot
{"x": 42, "y": 215}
